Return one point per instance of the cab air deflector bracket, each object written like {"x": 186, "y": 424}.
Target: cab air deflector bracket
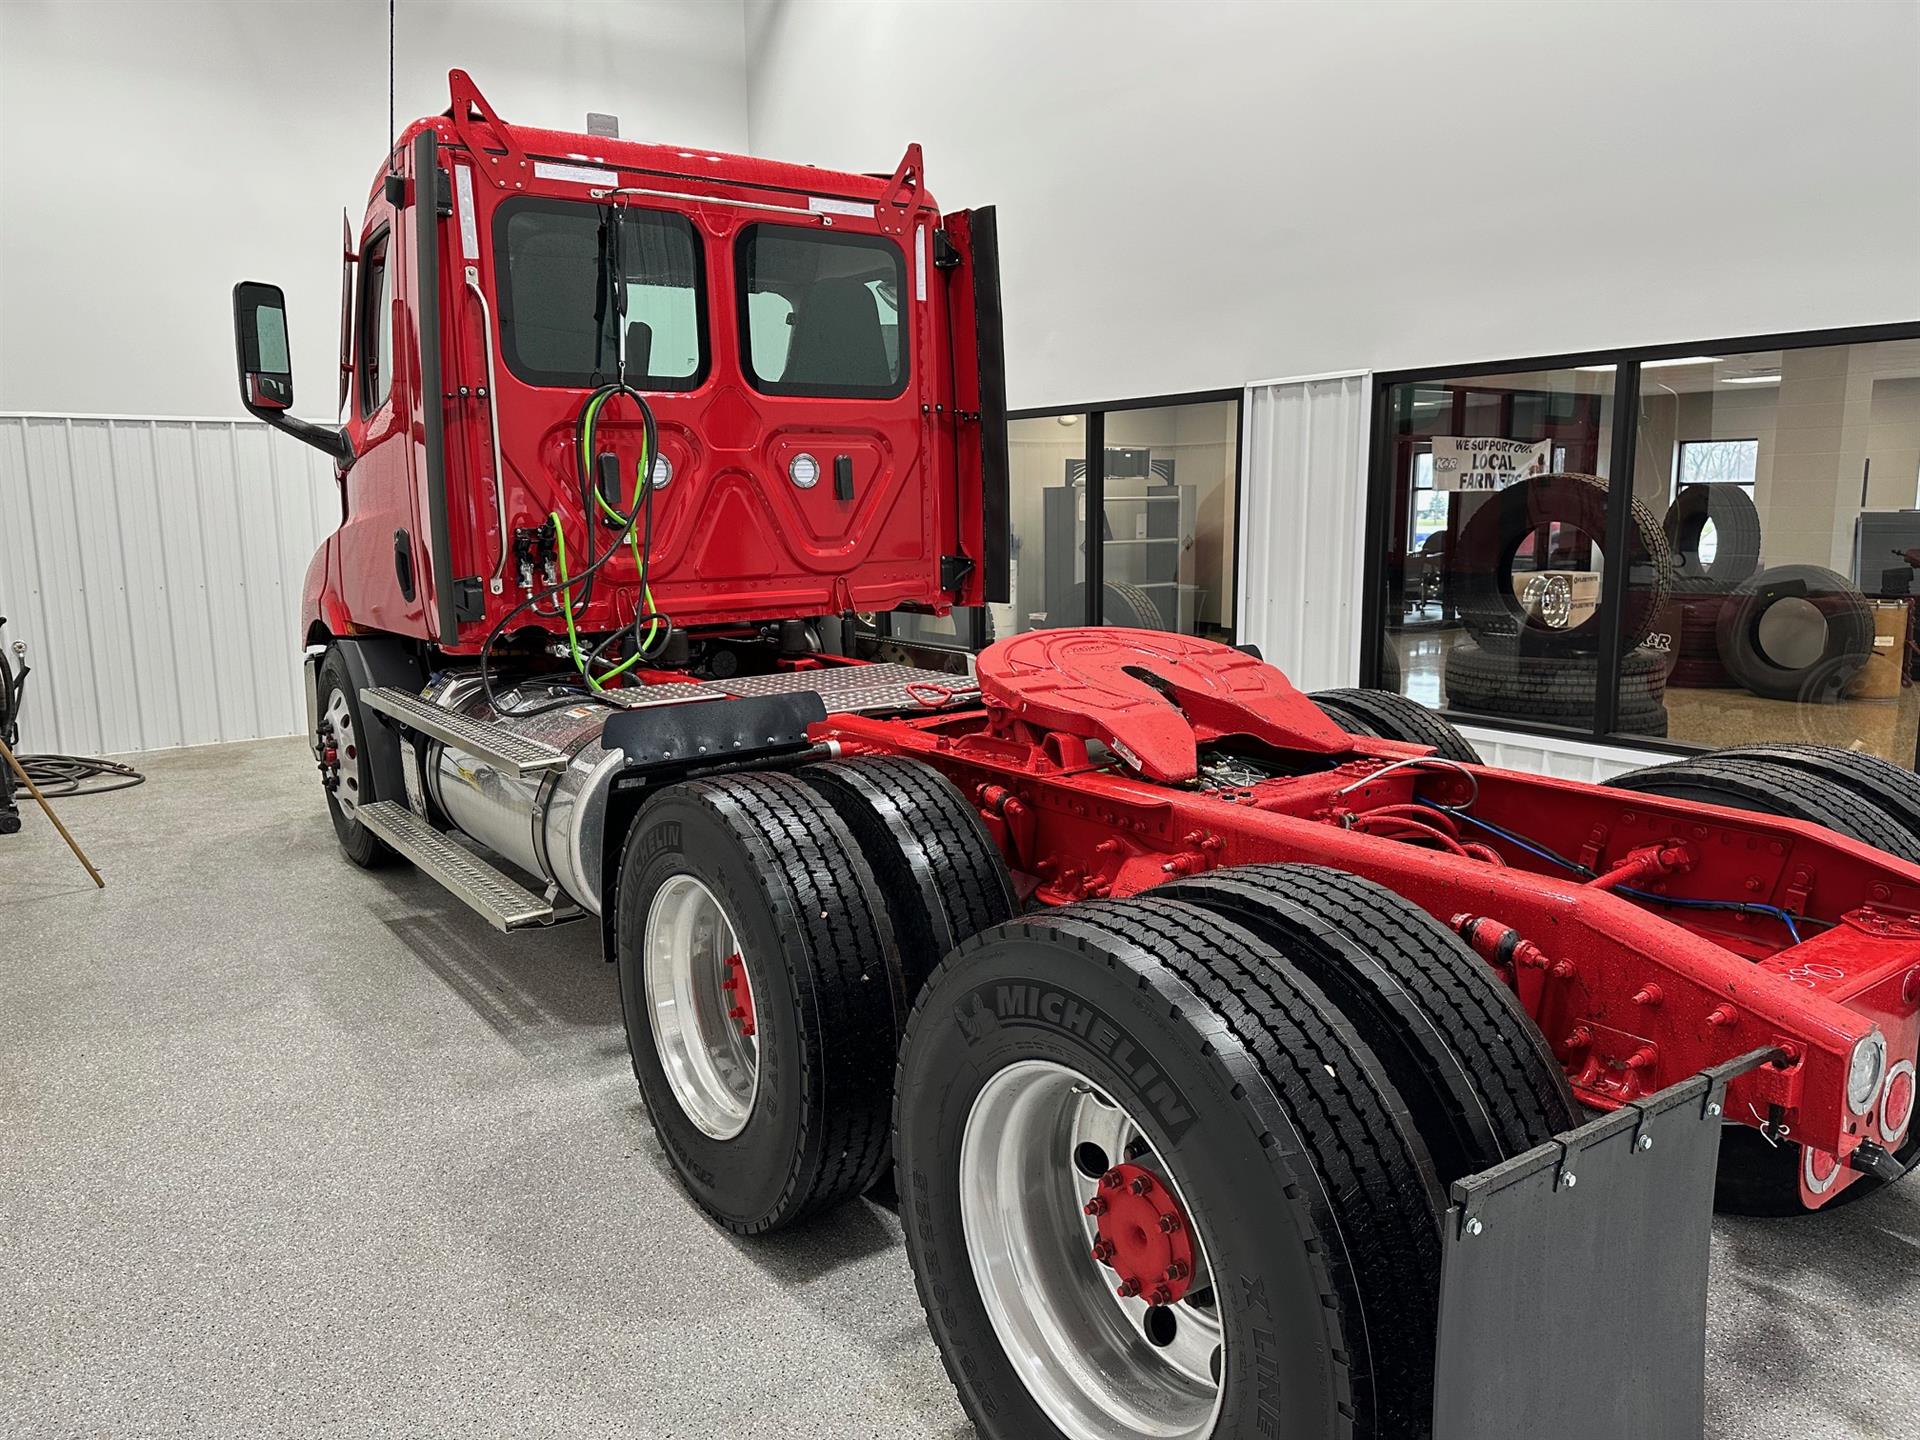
{"x": 1573, "y": 1283}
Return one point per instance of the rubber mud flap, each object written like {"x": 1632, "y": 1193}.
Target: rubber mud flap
{"x": 1573, "y": 1290}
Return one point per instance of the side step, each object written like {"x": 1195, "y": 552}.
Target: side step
{"x": 515, "y": 754}
{"x": 502, "y": 902}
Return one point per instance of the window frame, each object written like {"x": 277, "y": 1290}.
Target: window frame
{"x": 380, "y": 240}
{"x": 1623, "y": 452}
{"x": 587, "y": 380}
{"x": 742, "y": 297}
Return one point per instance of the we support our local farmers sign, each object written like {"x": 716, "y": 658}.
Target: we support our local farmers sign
{"x": 1482, "y": 462}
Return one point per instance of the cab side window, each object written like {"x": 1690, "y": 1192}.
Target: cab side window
{"x": 376, "y": 328}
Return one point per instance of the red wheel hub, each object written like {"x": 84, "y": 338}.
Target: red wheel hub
{"x": 739, "y": 994}
{"x": 1144, "y": 1237}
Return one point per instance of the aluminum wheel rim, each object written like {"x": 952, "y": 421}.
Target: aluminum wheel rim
{"x": 710, "y": 1055}
{"x": 1083, "y": 1352}
{"x": 346, "y": 746}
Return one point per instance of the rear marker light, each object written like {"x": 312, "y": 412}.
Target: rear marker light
{"x": 662, "y": 472}
{"x": 804, "y": 471}
{"x": 1896, "y": 1104}
{"x": 1865, "y": 1072}
{"x": 1819, "y": 1170}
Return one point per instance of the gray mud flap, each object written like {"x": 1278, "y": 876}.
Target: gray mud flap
{"x": 1573, "y": 1285}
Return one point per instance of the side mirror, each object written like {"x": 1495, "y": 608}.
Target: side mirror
{"x": 260, "y": 340}
{"x": 266, "y": 367}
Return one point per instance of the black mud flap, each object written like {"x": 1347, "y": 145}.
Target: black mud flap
{"x": 1573, "y": 1286}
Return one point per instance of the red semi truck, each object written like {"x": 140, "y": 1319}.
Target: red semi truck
{"x": 1248, "y": 1063}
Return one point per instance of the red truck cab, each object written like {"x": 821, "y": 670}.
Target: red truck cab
{"x": 821, "y": 351}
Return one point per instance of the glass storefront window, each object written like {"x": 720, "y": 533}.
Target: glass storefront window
{"x": 1767, "y": 590}
{"x": 1167, "y": 537}
{"x": 1047, "y": 511}
{"x": 1495, "y": 571}
{"x": 1161, "y": 507}
{"x": 1786, "y": 480}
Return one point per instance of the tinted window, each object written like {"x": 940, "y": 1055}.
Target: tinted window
{"x": 557, "y": 322}
{"x": 376, "y": 329}
{"x": 820, "y": 312}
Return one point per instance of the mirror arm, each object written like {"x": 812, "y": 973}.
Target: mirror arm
{"x": 326, "y": 438}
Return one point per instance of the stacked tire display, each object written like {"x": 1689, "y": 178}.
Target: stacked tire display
{"x": 1728, "y": 608}
{"x": 1707, "y": 615}
{"x": 1518, "y": 667}
{"x": 1275, "y": 1070}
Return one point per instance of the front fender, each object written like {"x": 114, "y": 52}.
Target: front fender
{"x": 321, "y": 606}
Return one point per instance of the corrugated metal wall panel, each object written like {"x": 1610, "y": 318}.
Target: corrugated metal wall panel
{"x": 1303, "y": 525}
{"x": 154, "y": 570}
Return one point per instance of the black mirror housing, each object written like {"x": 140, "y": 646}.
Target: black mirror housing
{"x": 260, "y": 344}
{"x": 265, "y": 359}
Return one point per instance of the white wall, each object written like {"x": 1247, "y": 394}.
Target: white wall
{"x": 151, "y": 154}
{"x": 1195, "y": 195}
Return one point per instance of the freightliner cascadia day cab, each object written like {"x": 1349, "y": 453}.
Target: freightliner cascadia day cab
{"x": 1247, "y": 1063}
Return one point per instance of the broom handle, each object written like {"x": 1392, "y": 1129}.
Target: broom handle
{"x": 34, "y": 790}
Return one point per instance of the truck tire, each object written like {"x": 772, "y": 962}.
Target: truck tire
{"x": 1148, "y": 1036}
{"x": 943, "y": 878}
{"x": 359, "y": 776}
{"x": 1474, "y": 1069}
{"x": 1391, "y": 673}
{"x": 1744, "y": 782}
{"x": 1817, "y": 679}
{"x": 771, "y": 1103}
{"x": 1557, "y": 689}
{"x": 1763, "y": 1180}
{"x": 1482, "y": 565}
{"x": 1126, "y": 605}
{"x": 1879, "y": 782}
{"x": 1390, "y": 716}
{"x": 1756, "y": 1177}
{"x": 1736, "y": 532}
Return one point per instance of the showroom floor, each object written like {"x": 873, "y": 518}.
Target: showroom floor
{"x": 286, "y": 1145}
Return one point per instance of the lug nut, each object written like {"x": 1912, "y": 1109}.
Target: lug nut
{"x": 1141, "y": 1184}
{"x": 1113, "y": 1180}
{"x": 1095, "y": 1206}
{"x": 1103, "y": 1251}
{"x": 1169, "y": 1224}
{"x": 1127, "y": 1288}
{"x": 1177, "y": 1270}
{"x": 1160, "y": 1296}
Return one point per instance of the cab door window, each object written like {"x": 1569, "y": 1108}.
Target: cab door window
{"x": 376, "y": 328}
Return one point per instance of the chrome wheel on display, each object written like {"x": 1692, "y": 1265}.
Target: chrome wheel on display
{"x": 1088, "y": 1260}
{"x": 700, "y": 1003}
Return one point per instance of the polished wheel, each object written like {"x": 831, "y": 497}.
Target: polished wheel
{"x": 1087, "y": 1258}
{"x": 341, "y": 763}
{"x": 700, "y": 1003}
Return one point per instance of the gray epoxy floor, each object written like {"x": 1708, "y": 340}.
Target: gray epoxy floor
{"x": 286, "y": 1147}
